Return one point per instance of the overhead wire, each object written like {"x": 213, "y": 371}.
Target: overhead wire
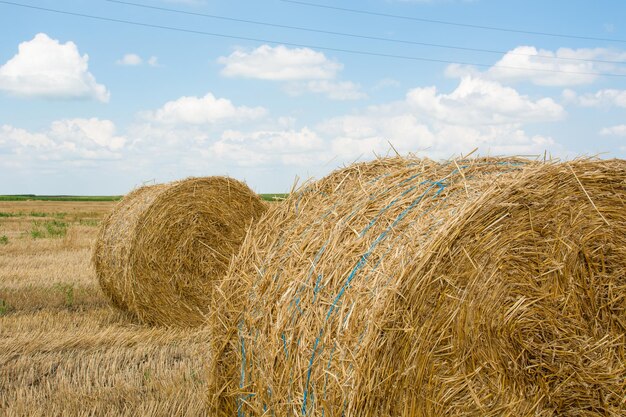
{"x": 359, "y": 36}
{"x": 449, "y": 23}
{"x": 303, "y": 45}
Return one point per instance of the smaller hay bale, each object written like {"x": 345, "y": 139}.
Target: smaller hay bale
{"x": 160, "y": 250}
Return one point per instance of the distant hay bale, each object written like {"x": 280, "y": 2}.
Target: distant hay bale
{"x": 160, "y": 250}
{"x": 473, "y": 287}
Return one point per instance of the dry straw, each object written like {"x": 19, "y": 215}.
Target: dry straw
{"x": 161, "y": 249}
{"x": 472, "y": 287}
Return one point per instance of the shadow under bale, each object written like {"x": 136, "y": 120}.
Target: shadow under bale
{"x": 473, "y": 287}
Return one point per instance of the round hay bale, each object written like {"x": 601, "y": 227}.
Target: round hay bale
{"x": 480, "y": 287}
{"x": 159, "y": 252}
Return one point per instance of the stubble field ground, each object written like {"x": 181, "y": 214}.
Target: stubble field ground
{"x": 63, "y": 349}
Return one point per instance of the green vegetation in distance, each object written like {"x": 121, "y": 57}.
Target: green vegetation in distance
{"x": 273, "y": 197}
{"x": 33, "y": 214}
{"x": 34, "y": 197}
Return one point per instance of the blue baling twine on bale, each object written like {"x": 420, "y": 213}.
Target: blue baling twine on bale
{"x": 441, "y": 186}
{"x": 353, "y": 273}
{"x": 359, "y": 265}
{"x": 345, "y": 220}
{"x": 242, "y": 380}
{"x": 362, "y": 335}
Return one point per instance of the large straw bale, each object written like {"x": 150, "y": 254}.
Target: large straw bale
{"x": 473, "y": 287}
{"x": 159, "y": 252}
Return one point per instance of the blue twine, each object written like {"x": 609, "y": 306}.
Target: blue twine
{"x": 242, "y": 380}
{"x": 362, "y": 261}
{"x": 308, "y": 376}
{"x": 285, "y": 345}
{"x": 387, "y": 207}
{"x": 280, "y": 242}
{"x": 317, "y": 287}
{"x": 440, "y": 185}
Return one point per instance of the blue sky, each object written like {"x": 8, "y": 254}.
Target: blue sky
{"x": 90, "y": 106}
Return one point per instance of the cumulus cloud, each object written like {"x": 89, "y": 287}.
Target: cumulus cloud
{"x": 478, "y": 113}
{"x": 476, "y": 101}
{"x": 288, "y": 147}
{"x": 44, "y": 67}
{"x": 607, "y": 97}
{"x": 87, "y": 133}
{"x": 303, "y": 69}
{"x": 279, "y": 64}
{"x": 202, "y": 133}
{"x": 202, "y": 110}
{"x": 539, "y": 66}
{"x": 334, "y": 90}
{"x": 353, "y": 136}
{"x": 618, "y": 130}
{"x": 67, "y": 139}
{"x": 134, "y": 60}
{"x": 12, "y": 138}
{"x": 130, "y": 60}
{"x": 205, "y": 135}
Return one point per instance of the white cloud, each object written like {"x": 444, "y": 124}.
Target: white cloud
{"x": 87, "y": 133}
{"x": 43, "y": 67}
{"x": 134, "y": 60}
{"x": 302, "y": 69}
{"x": 354, "y": 136}
{"x": 618, "y": 130}
{"x": 478, "y": 113}
{"x": 538, "y": 66}
{"x": 195, "y": 135}
{"x": 477, "y": 102}
{"x": 202, "y": 110}
{"x": 287, "y": 147}
{"x": 279, "y": 64}
{"x": 130, "y": 60}
{"x": 607, "y": 97}
{"x": 12, "y": 138}
{"x": 334, "y": 90}
{"x": 68, "y": 139}
{"x": 495, "y": 140}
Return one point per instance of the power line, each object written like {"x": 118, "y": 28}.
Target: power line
{"x": 302, "y": 45}
{"x": 448, "y": 23}
{"x": 352, "y": 35}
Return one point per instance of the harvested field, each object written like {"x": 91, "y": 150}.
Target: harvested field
{"x": 475, "y": 287}
{"x": 63, "y": 350}
{"x": 399, "y": 287}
